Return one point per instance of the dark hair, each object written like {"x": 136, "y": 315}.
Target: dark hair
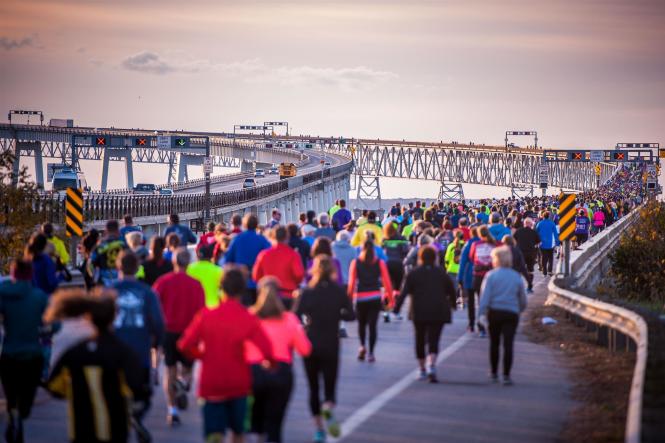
{"x": 21, "y": 269}
{"x": 485, "y": 235}
{"x": 367, "y": 254}
{"x": 205, "y": 252}
{"x": 233, "y": 283}
{"x": 251, "y": 222}
{"x": 172, "y": 240}
{"x": 211, "y": 226}
{"x": 175, "y": 219}
{"x": 157, "y": 245}
{"x": 47, "y": 229}
{"x": 36, "y": 245}
{"x": 342, "y": 203}
{"x": 67, "y": 303}
{"x": 371, "y": 216}
{"x": 127, "y": 263}
{"x": 323, "y": 270}
{"x": 426, "y": 255}
{"x": 103, "y": 308}
{"x": 322, "y": 245}
{"x": 281, "y": 234}
{"x": 89, "y": 240}
{"x": 389, "y": 230}
{"x": 128, "y": 219}
{"x": 112, "y": 226}
{"x": 293, "y": 230}
{"x": 236, "y": 220}
{"x": 546, "y": 214}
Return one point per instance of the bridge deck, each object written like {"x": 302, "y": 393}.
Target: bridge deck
{"x": 384, "y": 403}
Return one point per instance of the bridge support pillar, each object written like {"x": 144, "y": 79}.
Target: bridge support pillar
{"x": 450, "y": 191}
{"x": 263, "y": 215}
{"x": 296, "y": 208}
{"x": 187, "y": 160}
{"x": 310, "y": 201}
{"x": 246, "y": 166}
{"x": 117, "y": 154}
{"x": 303, "y": 203}
{"x": 30, "y": 147}
{"x": 288, "y": 216}
{"x": 282, "y": 207}
{"x": 369, "y": 192}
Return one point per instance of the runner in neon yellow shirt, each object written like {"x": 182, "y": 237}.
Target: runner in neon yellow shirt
{"x": 209, "y": 275}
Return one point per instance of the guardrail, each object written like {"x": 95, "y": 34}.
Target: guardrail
{"x": 105, "y": 207}
{"x": 611, "y": 319}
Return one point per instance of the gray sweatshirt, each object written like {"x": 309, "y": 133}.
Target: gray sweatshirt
{"x": 344, "y": 253}
{"x": 502, "y": 290}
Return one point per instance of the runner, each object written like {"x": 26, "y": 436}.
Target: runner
{"x": 527, "y": 242}
{"x": 139, "y": 324}
{"x": 244, "y": 249}
{"x": 282, "y": 262}
{"x": 217, "y": 337}
{"x": 272, "y": 388}
{"x": 502, "y": 299}
{"x": 208, "y": 274}
{"x": 156, "y": 265}
{"x": 432, "y": 299}
{"x": 549, "y": 238}
{"x": 185, "y": 234}
{"x": 43, "y": 268}
{"x": 396, "y": 248}
{"x": 180, "y": 297}
{"x": 371, "y": 225}
{"x": 21, "y": 357}
{"x": 366, "y": 276}
{"x": 103, "y": 257}
{"x": 480, "y": 255}
{"x": 323, "y": 304}
{"x": 60, "y": 249}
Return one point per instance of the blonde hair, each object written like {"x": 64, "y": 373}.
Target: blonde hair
{"x": 134, "y": 239}
{"x": 268, "y": 303}
{"x": 502, "y": 257}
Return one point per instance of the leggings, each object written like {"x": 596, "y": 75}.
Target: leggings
{"x": 368, "y": 316}
{"x": 430, "y": 332}
{"x": 396, "y": 272}
{"x": 271, "y": 390}
{"x": 502, "y": 324}
{"x": 20, "y": 379}
{"x": 325, "y": 364}
{"x": 530, "y": 261}
{"x": 547, "y": 256}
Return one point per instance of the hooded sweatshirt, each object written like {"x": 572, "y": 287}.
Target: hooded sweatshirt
{"x": 345, "y": 254}
{"x": 21, "y": 307}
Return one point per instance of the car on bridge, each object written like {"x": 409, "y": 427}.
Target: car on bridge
{"x": 249, "y": 183}
{"x": 273, "y": 170}
{"x": 166, "y": 191}
{"x": 68, "y": 178}
{"x": 145, "y": 189}
{"x": 259, "y": 173}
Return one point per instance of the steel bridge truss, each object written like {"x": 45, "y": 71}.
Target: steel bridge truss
{"x": 482, "y": 167}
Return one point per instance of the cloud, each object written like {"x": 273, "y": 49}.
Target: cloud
{"x": 8, "y": 44}
{"x": 256, "y": 71}
{"x": 147, "y": 62}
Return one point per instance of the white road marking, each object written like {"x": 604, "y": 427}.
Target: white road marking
{"x": 371, "y": 407}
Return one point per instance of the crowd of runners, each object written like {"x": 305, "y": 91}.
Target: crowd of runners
{"x": 253, "y": 295}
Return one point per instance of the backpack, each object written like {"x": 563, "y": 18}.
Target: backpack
{"x": 483, "y": 259}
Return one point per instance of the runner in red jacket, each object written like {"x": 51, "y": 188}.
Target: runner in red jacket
{"x": 217, "y": 337}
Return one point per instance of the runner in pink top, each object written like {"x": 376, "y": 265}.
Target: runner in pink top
{"x": 272, "y": 387}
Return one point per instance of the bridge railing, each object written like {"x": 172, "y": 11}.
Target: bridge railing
{"x": 100, "y": 207}
{"x": 612, "y": 322}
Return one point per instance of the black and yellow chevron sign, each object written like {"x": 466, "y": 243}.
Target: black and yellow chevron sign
{"x": 566, "y": 216}
{"x": 74, "y": 212}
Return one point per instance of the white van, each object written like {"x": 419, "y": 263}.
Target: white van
{"x": 68, "y": 178}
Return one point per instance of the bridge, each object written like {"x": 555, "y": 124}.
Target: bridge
{"x": 391, "y": 400}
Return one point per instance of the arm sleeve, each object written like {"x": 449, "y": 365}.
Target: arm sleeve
{"x": 257, "y": 270}
{"x": 156, "y": 318}
{"x": 297, "y": 269}
{"x": 352, "y": 278}
{"x": 301, "y": 343}
{"x": 485, "y": 296}
{"x": 463, "y": 261}
{"x": 62, "y": 252}
{"x": 189, "y": 342}
{"x": 387, "y": 284}
{"x": 51, "y": 276}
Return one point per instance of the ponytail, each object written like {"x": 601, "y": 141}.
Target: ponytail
{"x": 368, "y": 254}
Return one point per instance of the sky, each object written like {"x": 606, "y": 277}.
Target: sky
{"x": 582, "y": 73}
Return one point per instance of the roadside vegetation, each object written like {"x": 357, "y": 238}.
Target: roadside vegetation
{"x": 638, "y": 263}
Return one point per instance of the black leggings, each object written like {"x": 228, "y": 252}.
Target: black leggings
{"x": 396, "y": 272}
{"x": 368, "y": 316}
{"x": 327, "y": 365}
{"x": 547, "y": 256}
{"x": 271, "y": 390}
{"x": 20, "y": 379}
{"x": 429, "y": 332}
{"x": 530, "y": 261}
{"x": 502, "y": 324}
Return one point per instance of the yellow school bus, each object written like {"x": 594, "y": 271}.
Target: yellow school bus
{"x": 287, "y": 170}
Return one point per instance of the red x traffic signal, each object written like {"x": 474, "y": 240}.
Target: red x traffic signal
{"x": 141, "y": 142}
{"x": 619, "y": 155}
{"x": 101, "y": 141}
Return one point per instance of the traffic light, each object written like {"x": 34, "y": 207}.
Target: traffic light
{"x": 577, "y": 156}
{"x": 141, "y": 142}
{"x": 101, "y": 141}
{"x": 180, "y": 142}
{"x": 619, "y": 156}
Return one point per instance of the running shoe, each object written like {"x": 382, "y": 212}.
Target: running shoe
{"x": 181, "y": 400}
{"x": 507, "y": 381}
{"x": 431, "y": 374}
{"x": 386, "y": 317}
{"x": 494, "y": 378}
{"x": 482, "y": 334}
{"x": 331, "y": 423}
{"x": 422, "y": 374}
{"x": 173, "y": 420}
{"x": 361, "y": 353}
{"x": 320, "y": 436}
{"x": 371, "y": 358}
